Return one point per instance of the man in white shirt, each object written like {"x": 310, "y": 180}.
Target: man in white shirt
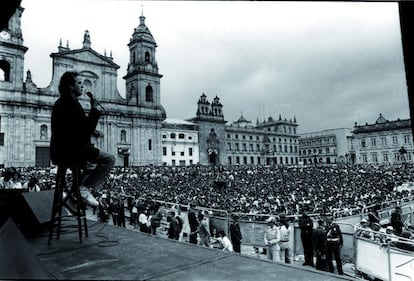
{"x": 143, "y": 221}
{"x": 225, "y": 242}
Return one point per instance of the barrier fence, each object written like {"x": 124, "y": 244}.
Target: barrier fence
{"x": 394, "y": 256}
{"x": 253, "y": 226}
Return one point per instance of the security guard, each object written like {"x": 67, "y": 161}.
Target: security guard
{"x": 334, "y": 245}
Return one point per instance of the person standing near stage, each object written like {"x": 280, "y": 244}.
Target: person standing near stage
{"x": 156, "y": 218}
{"x": 203, "y": 231}
{"x": 235, "y": 234}
{"x": 272, "y": 239}
{"x": 306, "y": 233}
{"x": 396, "y": 220}
{"x": 193, "y": 222}
{"x": 319, "y": 244}
{"x": 72, "y": 128}
{"x": 174, "y": 227}
{"x": 334, "y": 245}
{"x": 114, "y": 209}
{"x": 134, "y": 214}
{"x": 285, "y": 250}
{"x": 143, "y": 221}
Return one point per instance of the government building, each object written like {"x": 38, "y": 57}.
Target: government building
{"x": 383, "y": 142}
{"x": 331, "y": 146}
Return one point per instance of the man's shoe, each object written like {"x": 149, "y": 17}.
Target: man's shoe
{"x": 70, "y": 205}
{"x": 87, "y": 197}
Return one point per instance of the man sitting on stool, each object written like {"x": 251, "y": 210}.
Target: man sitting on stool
{"x": 72, "y": 129}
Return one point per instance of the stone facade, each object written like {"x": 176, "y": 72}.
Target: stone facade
{"x": 131, "y": 126}
{"x": 271, "y": 142}
{"x": 327, "y": 147}
{"x": 383, "y": 142}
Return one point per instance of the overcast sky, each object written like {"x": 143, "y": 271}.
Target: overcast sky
{"x": 328, "y": 64}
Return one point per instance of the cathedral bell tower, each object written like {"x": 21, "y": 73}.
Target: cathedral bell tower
{"x": 12, "y": 54}
{"x": 142, "y": 78}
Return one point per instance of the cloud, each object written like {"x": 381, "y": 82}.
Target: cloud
{"x": 328, "y": 64}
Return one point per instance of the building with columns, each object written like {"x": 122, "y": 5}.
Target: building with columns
{"x": 131, "y": 126}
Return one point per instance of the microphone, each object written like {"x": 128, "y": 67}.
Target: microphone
{"x": 89, "y": 94}
{"x": 91, "y": 97}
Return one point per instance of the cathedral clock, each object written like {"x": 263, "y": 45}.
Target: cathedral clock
{"x": 5, "y": 35}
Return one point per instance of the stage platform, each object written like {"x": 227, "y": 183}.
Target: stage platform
{"x": 115, "y": 253}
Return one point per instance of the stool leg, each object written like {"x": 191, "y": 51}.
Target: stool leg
{"x": 57, "y": 203}
{"x": 62, "y": 186}
{"x": 85, "y": 222}
{"x": 54, "y": 211}
{"x": 81, "y": 213}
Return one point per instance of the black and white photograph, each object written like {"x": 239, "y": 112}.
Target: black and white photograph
{"x": 206, "y": 140}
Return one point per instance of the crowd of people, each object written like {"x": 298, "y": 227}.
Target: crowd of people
{"x": 338, "y": 190}
{"x": 266, "y": 190}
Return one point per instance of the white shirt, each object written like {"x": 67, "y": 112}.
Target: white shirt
{"x": 284, "y": 233}
{"x": 226, "y": 243}
{"x": 143, "y": 218}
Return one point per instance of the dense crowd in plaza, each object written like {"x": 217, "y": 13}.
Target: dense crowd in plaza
{"x": 264, "y": 189}
{"x": 340, "y": 190}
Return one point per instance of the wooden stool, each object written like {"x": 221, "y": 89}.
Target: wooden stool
{"x": 59, "y": 202}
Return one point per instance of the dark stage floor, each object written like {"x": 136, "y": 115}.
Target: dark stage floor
{"x": 114, "y": 253}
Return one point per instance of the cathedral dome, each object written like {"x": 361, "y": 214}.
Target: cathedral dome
{"x": 142, "y": 31}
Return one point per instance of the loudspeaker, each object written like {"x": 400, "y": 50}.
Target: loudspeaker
{"x": 17, "y": 259}
{"x": 40, "y": 204}
{"x": 31, "y": 211}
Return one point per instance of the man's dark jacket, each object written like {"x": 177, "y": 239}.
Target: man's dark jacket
{"x": 70, "y": 142}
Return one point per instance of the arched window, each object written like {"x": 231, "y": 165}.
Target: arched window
{"x": 123, "y": 136}
{"x": 4, "y": 70}
{"x": 149, "y": 96}
{"x": 87, "y": 86}
{"x": 147, "y": 56}
{"x": 43, "y": 132}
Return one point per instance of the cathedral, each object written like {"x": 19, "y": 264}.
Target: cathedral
{"x": 131, "y": 126}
